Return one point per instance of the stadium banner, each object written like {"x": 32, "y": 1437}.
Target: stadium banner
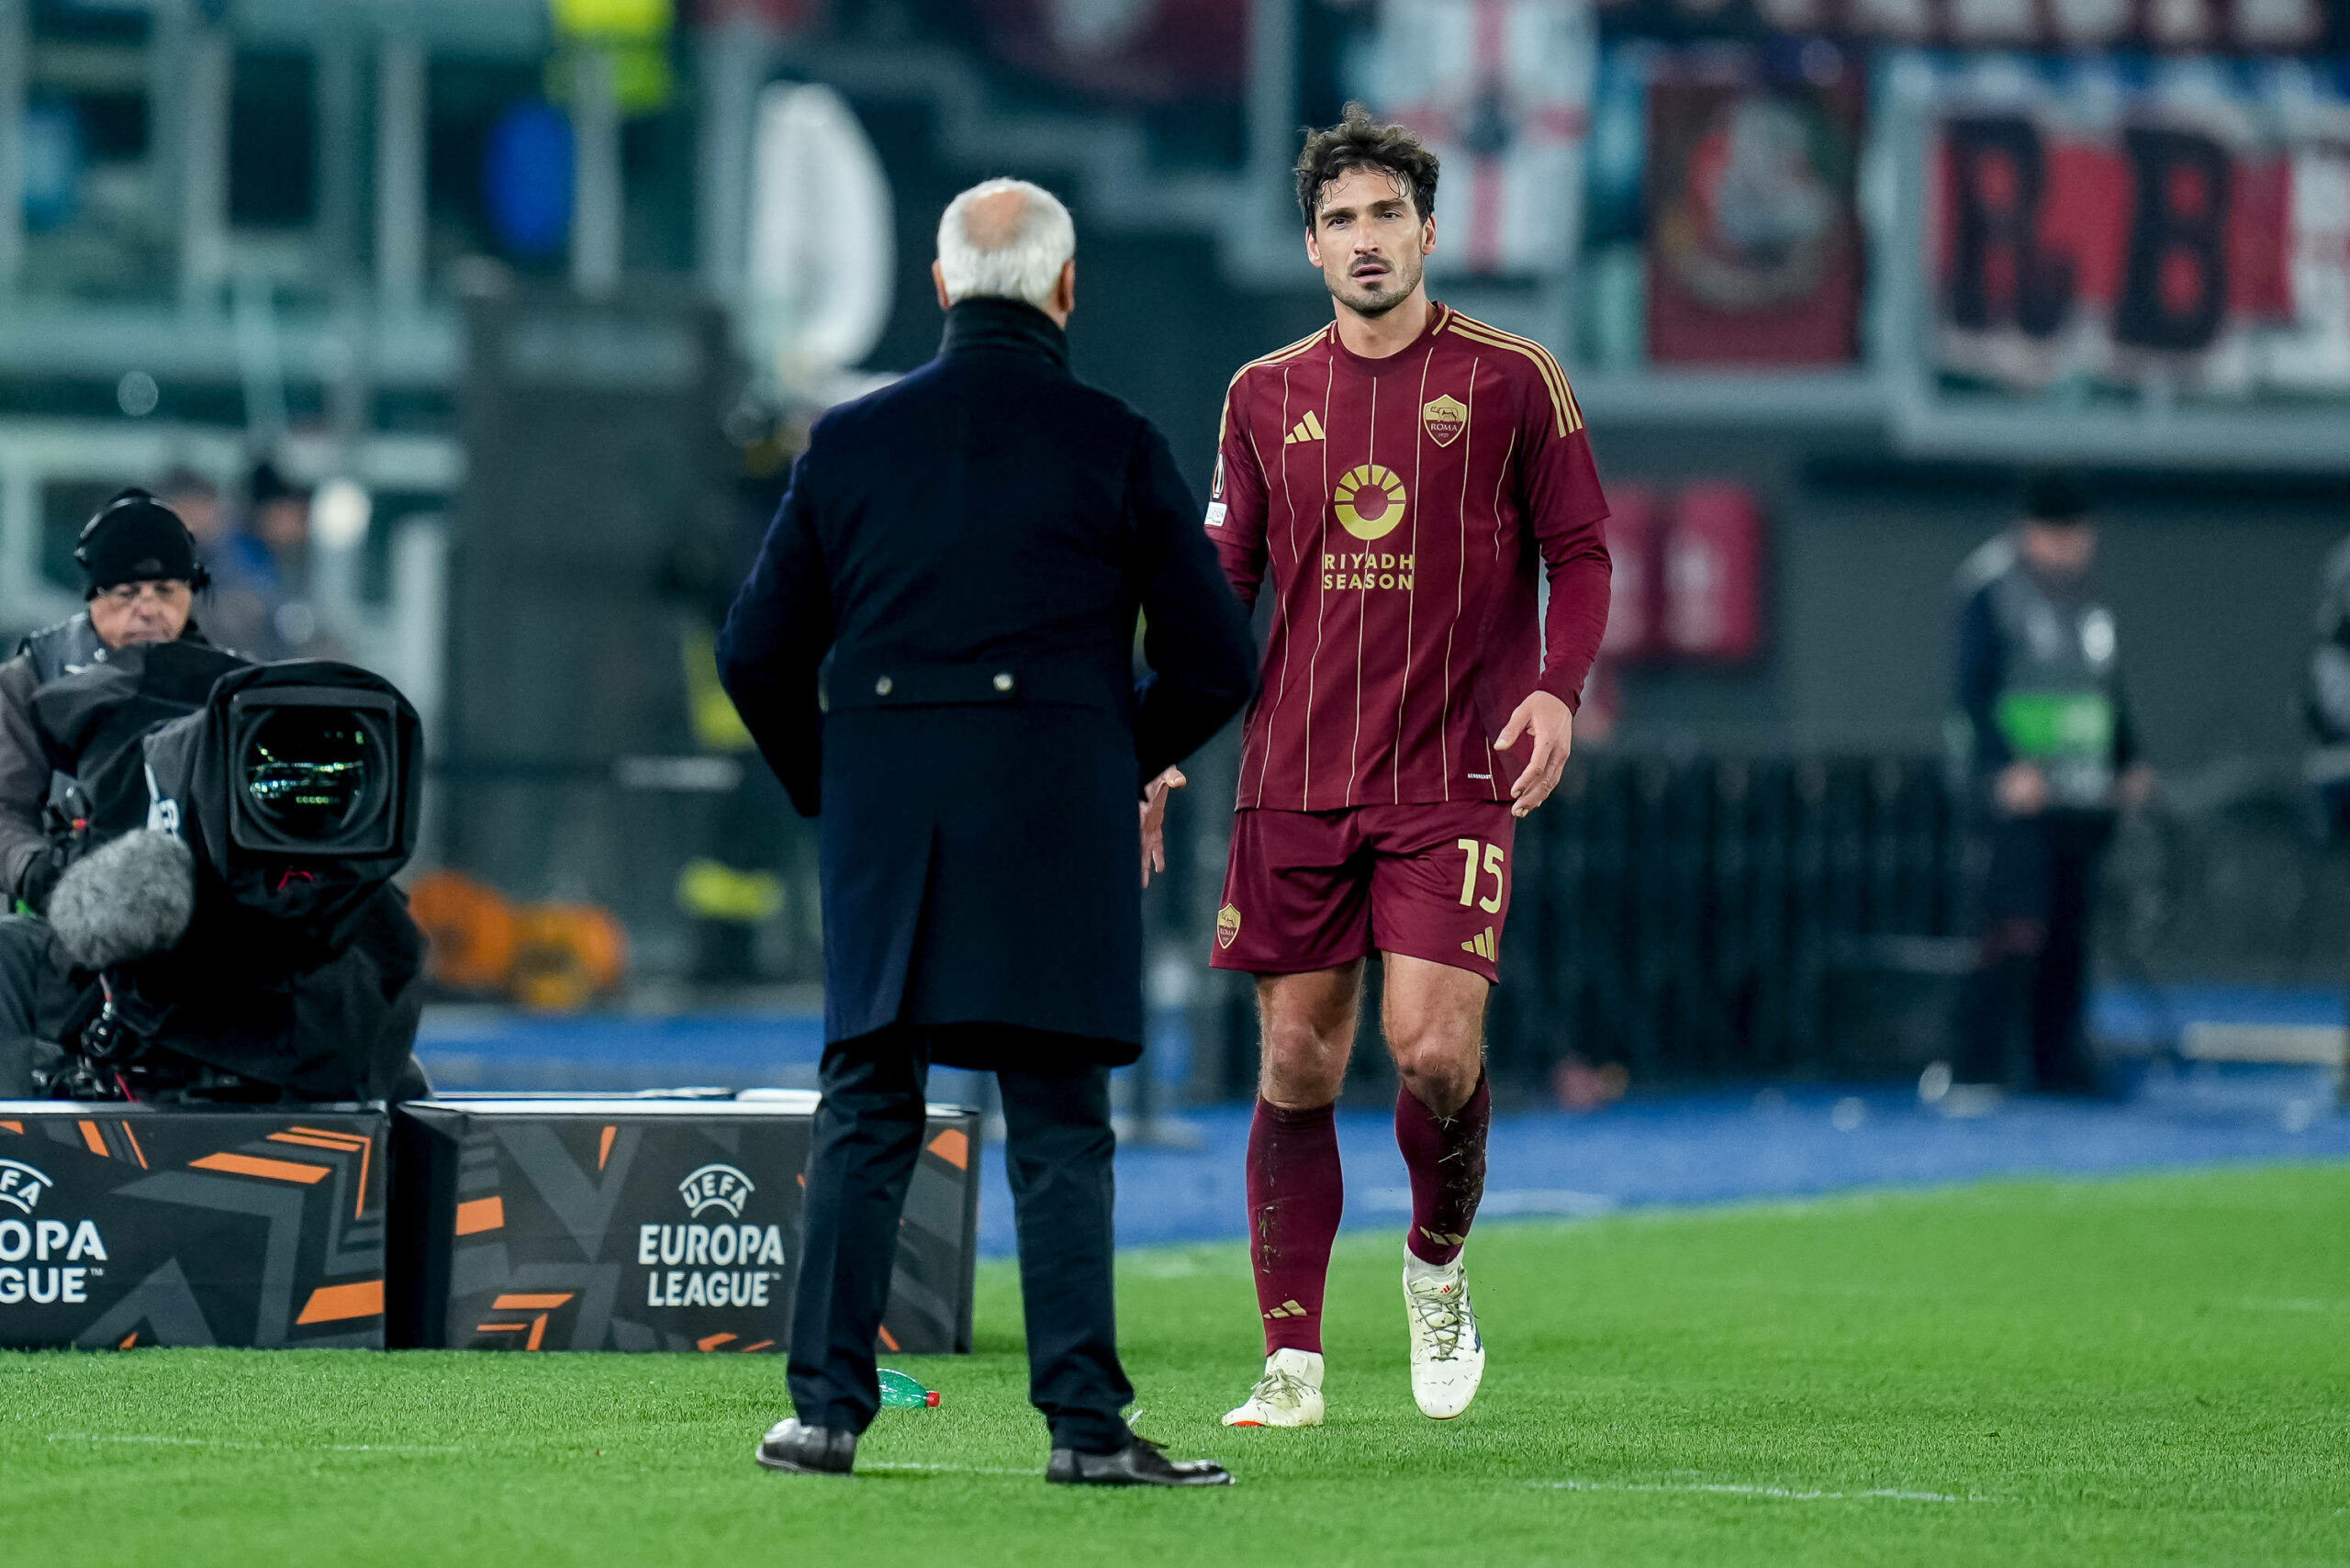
{"x": 2165, "y": 228}
{"x": 1152, "y": 51}
{"x": 125, "y": 1224}
{"x": 2249, "y": 27}
{"x": 610, "y": 1223}
{"x": 1501, "y": 91}
{"x": 1754, "y": 248}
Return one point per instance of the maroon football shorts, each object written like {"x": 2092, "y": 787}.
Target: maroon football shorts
{"x": 1316, "y": 889}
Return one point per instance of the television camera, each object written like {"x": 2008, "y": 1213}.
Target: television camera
{"x": 230, "y": 895}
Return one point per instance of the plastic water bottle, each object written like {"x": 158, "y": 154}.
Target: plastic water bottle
{"x": 897, "y": 1388}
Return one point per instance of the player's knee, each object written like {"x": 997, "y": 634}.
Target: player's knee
{"x": 1305, "y": 1060}
{"x": 1302, "y": 1043}
{"x": 1438, "y": 1066}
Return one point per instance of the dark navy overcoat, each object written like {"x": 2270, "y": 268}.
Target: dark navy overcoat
{"x": 935, "y": 653}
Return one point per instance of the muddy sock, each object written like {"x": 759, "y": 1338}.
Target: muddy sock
{"x": 1446, "y": 1157}
{"x": 1295, "y": 1194}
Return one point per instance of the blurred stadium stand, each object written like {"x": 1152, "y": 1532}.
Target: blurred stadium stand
{"x": 1842, "y": 262}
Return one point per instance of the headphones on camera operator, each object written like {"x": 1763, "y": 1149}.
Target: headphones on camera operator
{"x": 132, "y": 538}
{"x": 131, "y": 497}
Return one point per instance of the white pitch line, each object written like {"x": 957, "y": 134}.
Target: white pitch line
{"x": 948, "y": 1469}
{"x": 1734, "y": 1489}
{"x": 232, "y": 1443}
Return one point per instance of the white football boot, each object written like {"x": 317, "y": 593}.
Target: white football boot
{"x": 1448, "y": 1356}
{"x": 1289, "y": 1394}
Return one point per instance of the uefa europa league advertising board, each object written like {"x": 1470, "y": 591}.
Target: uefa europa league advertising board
{"x": 614, "y": 1223}
{"x": 122, "y": 1226}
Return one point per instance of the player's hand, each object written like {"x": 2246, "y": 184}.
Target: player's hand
{"x": 1154, "y": 820}
{"x": 1552, "y": 724}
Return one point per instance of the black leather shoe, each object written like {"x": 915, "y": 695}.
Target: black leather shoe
{"x": 1139, "y": 1464}
{"x": 808, "y": 1450}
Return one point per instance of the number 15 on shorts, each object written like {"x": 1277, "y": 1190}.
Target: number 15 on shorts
{"x": 1485, "y": 860}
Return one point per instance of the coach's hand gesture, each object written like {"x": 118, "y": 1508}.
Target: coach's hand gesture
{"x": 1552, "y": 724}
{"x": 1154, "y": 820}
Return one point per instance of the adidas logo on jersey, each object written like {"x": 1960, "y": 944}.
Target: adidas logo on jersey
{"x": 1306, "y": 429}
{"x": 1483, "y": 946}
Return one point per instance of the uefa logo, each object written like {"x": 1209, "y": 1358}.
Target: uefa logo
{"x": 21, "y": 1185}
{"x": 714, "y": 1187}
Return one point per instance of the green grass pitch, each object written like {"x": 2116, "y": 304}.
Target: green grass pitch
{"x": 2144, "y": 1371}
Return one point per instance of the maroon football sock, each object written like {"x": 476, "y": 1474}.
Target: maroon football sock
{"x": 1446, "y": 1156}
{"x": 1295, "y": 1194}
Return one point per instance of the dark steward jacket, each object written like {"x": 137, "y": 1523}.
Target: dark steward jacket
{"x": 935, "y": 653}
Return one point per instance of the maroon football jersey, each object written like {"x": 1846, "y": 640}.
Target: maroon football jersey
{"x": 1402, "y": 506}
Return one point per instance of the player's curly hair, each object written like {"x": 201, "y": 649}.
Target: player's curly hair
{"x": 1359, "y": 142}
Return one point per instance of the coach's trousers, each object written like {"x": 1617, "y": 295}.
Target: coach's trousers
{"x": 1057, "y": 1153}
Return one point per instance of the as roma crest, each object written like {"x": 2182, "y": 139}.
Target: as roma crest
{"x": 1445, "y": 420}
{"x": 1227, "y": 926}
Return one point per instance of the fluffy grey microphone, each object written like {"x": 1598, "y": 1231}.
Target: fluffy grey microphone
{"x": 129, "y": 897}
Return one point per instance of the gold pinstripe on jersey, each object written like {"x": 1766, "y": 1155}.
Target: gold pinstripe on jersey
{"x": 1223, "y": 420}
{"x": 1562, "y": 397}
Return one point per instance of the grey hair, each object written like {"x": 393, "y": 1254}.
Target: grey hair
{"x": 1023, "y": 263}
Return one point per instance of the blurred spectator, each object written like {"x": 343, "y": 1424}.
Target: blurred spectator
{"x": 197, "y": 501}
{"x": 2053, "y": 757}
{"x": 2325, "y": 702}
{"x": 241, "y": 606}
{"x": 281, "y": 512}
{"x": 280, "y": 519}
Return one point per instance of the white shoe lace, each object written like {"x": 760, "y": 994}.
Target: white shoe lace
{"x": 1443, "y": 1319}
{"x": 1279, "y": 1386}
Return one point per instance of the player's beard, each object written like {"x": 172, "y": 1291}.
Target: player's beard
{"x": 1379, "y": 295}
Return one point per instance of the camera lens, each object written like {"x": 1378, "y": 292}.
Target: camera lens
{"x": 310, "y": 772}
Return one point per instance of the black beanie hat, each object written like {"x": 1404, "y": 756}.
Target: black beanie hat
{"x": 265, "y": 484}
{"x": 135, "y": 538}
{"x": 2054, "y": 496}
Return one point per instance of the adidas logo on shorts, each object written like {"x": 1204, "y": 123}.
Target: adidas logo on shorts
{"x": 1483, "y": 946}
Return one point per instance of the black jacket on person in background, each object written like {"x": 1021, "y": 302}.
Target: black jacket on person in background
{"x": 1987, "y": 655}
{"x": 961, "y": 558}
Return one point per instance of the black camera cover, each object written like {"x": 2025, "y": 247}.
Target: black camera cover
{"x": 296, "y": 788}
{"x": 297, "y": 785}
{"x": 98, "y": 715}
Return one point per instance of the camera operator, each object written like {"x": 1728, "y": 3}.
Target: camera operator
{"x": 139, "y": 575}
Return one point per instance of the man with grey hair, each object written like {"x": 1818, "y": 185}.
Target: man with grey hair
{"x": 935, "y": 648}
{"x": 1007, "y": 240}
